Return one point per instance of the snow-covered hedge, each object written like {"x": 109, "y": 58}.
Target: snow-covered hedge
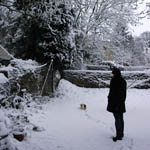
{"x": 88, "y": 79}
{"x": 135, "y": 75}
{"x": 96, "y": 67}
{"x": 108, "y": 65}
{"x": 104, "y": 65}
{"x": 101, "y": 79}
{"x": 145, "y": 84}
{"x": 136, "y": 68}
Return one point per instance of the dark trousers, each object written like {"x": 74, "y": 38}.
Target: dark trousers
{"x": 119, "y": 124}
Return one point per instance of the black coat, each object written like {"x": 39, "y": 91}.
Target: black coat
{"x": 117, "y": 95}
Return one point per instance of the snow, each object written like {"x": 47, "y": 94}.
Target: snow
{"x": 25, "y": 64}
{"x": 63, "y": 125}
{"x": 19, "y": 67}
{"x": 3, "y": 79}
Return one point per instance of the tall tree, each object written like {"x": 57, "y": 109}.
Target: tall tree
{"x": 99, "y": 18}
{"x": 44, "y": 29}
{"x": 65, "y": 27}
{"x": 145, "y": 36}
{"x": 123, "y": 41}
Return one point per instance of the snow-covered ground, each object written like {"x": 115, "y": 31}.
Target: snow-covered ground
{"x": 67, "y": 127}
{"x": 63, "y": 125}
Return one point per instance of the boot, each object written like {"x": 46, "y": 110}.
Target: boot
{"x": 116, "y": 138}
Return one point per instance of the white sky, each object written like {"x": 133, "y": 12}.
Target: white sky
{"x": 145, "y": 26}
{"x": 145, "y": 23}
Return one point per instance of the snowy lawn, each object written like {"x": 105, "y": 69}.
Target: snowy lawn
{"x": 67, "y": 127}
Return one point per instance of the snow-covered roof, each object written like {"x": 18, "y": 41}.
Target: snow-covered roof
{"x": 4, "y": 55}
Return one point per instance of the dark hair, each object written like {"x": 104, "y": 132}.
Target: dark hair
{"x": 116, "y": 71}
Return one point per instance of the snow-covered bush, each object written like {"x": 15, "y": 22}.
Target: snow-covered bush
{"x": 112, "y": 64}
{"x": 105, "y": 65}
{"x": 4, "y": 89}
{"x": 10, "y": 91}
{"x": 6, "y": 142}
{"x": 44, "y": 29}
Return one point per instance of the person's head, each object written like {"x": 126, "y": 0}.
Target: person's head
{"x": 116, "y": 71}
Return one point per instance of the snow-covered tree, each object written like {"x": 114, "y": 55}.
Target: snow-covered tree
{"x": 99, "y": 15}
{"x": 66, "y": 27}
{"x": 148, "y": 9}
{"x": 145, "y": 36}
{"x": 140, "y": 57}
{"x": 44, "y": 28}
{"x": 122, "y": 41}
{"x": 99, "y": 18}
{"x": 6, "y": 17}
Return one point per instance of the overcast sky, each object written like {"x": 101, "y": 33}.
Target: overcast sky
{"x": 145, "y": 23}
{"x": 145, "y": 26}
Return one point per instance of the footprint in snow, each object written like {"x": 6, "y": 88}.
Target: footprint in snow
{"x": 125, "y": 144}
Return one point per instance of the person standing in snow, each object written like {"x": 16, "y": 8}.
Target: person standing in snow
{"x": 116, "y": 102}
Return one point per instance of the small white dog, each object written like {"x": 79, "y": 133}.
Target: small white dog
{"x": 83, "y": 106}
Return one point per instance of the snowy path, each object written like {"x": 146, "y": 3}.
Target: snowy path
{"x": 67, "y": 127}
